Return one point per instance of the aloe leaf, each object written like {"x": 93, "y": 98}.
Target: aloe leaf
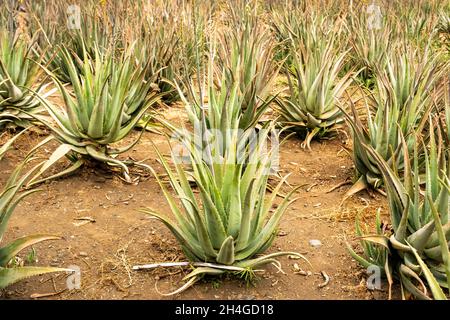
{"x": 435, "y": 288}
{"x": 226, "y": 252}
{"x": 12, "y": 249}
{"x": 9, "y": 276}
{"x": 442, "y": 239}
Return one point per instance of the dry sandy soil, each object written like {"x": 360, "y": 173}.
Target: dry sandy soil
{"x": 121, "y": 236}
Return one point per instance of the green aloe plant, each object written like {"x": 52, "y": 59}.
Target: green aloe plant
{"x": 370, "y": 46}
{"x": 109, "y": 99}
{"x": 230, "y": 224}
{"x": 246, "y": 54}
{"x": 10, "y": 197}
{"x": 403, "y": 98}
{"x": 160, "y": 44}
{"x": 314, "y": 88}
{"x": 96, "y": 33}
{"x": 416, "y": 250}
{"x": 18, "y": 73}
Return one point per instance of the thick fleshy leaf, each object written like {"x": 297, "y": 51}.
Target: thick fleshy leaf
{"x": 9, "y": 276}
{"x": 435, "y": 288}
{"x": 226, "y": 252}
{"x": 12, "y": 249}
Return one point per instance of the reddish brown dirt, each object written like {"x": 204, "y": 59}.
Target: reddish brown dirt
{"x": 121, "y": 236}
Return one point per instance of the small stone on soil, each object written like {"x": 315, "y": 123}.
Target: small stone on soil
{"x": 282, "y": 233}
{"x": 315, "y": 243}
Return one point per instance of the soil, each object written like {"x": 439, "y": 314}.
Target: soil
{"x": 118, "y": 236}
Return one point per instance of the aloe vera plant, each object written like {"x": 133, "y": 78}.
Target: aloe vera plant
{"x": 246, "y": 53}
{"x": 314, "y": 88}
{"x": 230, "y": 224}
{"x": 159, "y": 43}
{"x": 109, "y": 99}
{"x": 416, "y": 24}
{"x": 416, "y": 251}
{"x": 18, "y": 73}
{"x": 228, "y": 108}
{"x": 370, "y": 47}
{"x": 94, "y": 35}
{"x": 402, "y": 100}
{"x": 10, "y": 197}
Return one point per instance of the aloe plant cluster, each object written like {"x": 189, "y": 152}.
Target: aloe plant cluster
{"x": 370, "y": 46}
{"x": 229, "y": 161}
{"x": 110, "y": 98}
{"x": 242, "y": 71}
{"x": 18, "y": 73}
{"x": 246, "y": 53}
{"x": 315, "y": 80}
{"x": 404, "y": 95}
{"x": 231, "y": 221}
{"x": 416, "y": 250}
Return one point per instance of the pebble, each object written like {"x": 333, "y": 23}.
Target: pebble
{"x": 83, "y": 254}
{"x": 315, "y": 243}
{"x": 282, "y": 233}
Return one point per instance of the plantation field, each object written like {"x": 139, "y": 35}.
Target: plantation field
{"x": 122, "y": 237}
{"x": 225, "y": 150}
